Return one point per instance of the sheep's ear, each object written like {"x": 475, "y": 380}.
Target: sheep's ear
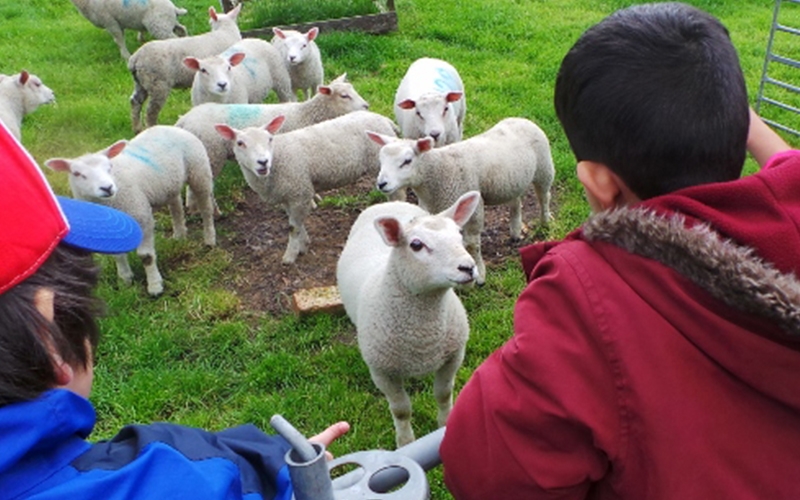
{"x": 407, "y": 104}
{"x": 341, "y": 78}
{"x": 324, "y": 89}
{"x": 390, "y": 230}
{"x": 234, "y": 12}
{"x": 453, "y": 96}
{"x": 273, "y": 126}
{"x": 379, "y": 138}
{"x": 463, "y": 208}
{"x": 23, "y": 77}
{"x": 212, "y": 13}
{"x": 115, "y": 149}
{"x": 225, "y": 131}
{"x": 425, "y": 144}
{"x": 58, "y": 164}
{"x": 236, "y": 58}
{"x": 279, "y": 33}
{"x": 312, "y": 34}
{"x": 192, "y": 63}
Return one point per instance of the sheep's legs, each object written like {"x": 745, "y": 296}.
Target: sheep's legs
{"x": 543, "y": 196}
{"x": 147, "y": 252}
{"x": 138, "y": 98}
{"x": 399, "y": 405}
{"x": 178, "y": 218}
{"x": 443, "y": 387}
{"x": 119, "y": 38}
{"x": 158, "y": 97}
{"x": 515, "y": 218}
{"x": 298, "y": 237}
{"x": 124, "y": 270}
{"x": 472, "y": 242}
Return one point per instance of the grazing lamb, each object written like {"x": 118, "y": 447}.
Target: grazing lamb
{"x": 302, "y": 58}
{"x": 500, "y": 163}
{"x": 331, "y": 101}
{"x": 400, "y": 297}
{"x": 21, "y": 94}
{"x": 147, "y": 172}
{"x": 157, "y": 67}
{"x": 430, "y": 101}
{"x": 244, "y": 73}
{"x": 158, "y": 17}
{"x": 290, "y": 168}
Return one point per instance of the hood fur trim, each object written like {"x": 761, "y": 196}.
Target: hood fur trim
{"x": 730, "y": 272}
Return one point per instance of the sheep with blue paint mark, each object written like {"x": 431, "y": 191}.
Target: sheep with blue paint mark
{"x": 246, "y": 72}
{"x": 137, "y": 176}
{"x": 157, "y": 17}
{"x": 430, "y": 102}
{"x": 331, "y": 101}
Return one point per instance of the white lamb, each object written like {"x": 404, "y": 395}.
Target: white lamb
{"x": 430, "y": 101}
{"x": 288, "y": 169}
{"x": 331, "y": 101}
{"x": 400, "y": 297}
{"x": 302, "y": 58}
{"x": 501, "y": 163}
{"x": 149, "y": 171}
{"x": 157, "y": 67}
{"x": 158, "y": 17}
{"x": 21, "y": 94}
{"x": 244, "y": 73}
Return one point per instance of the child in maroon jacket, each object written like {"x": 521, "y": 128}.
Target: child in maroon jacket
{"x": 656, "y": 350}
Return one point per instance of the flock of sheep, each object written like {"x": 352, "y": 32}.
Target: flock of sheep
{"x": 401, "y": 262}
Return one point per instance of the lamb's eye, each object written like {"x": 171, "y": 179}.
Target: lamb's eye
{"x": 419, "y": 114}
{"x": 345, "y": 96}
{"x": 406, "y": 162}
{"x": 445, "y": 110}
{"x": 416, "y": 245}
{"x": 77, "y": 174}
{"x": 241, "y": 144}
{"x": 203, "y": 70}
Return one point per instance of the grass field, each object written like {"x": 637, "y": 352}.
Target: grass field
{"x": 195, "y": 356}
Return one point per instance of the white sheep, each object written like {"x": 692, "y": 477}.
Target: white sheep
{"x": 149, "y": 171}
{"x": 501, "y": 163}
{"x": 302, "y": 58}
{"x": 21, "y": 94}
{"x": 244, "y": 73}
{"x": 430, "y": 101}
{"x": 157, "y": 67}
{"x": 331, "y": 101}
{"x": 398, "y": 293}
{"x": 157, "y": 17}
{"x": 288, "y": 169}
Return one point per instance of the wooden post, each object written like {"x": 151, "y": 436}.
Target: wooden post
{"x": 227, "y": 5}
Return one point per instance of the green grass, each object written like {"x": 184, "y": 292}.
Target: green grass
{"x": 262, "y": 13}
{"x": 195, "y": 355}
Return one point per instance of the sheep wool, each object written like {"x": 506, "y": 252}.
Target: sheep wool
{"x": 500, "y": 163}
{"x": 333, "y": 100}
{"x": 246, "y": 72}
{"x": 302, "y": 58}
{"x": 396, "y": 276}
{"x": 430, "y": 101}
{"x": 157, "y": 17}
{"x": 157, "y": 67}
{"x": 288, "y": 169}
{"x": 147, "y": 172}
{"x": 21, "y": 94}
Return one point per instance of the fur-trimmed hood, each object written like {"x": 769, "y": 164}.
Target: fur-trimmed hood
{"x": 730, "y": 272}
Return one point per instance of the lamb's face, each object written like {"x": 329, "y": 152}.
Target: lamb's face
{"x": 214, "y": 74}
{"x": 34, "y": 92}
{"x": 435, "y": 115}
{"x": 342, "y": 98}
{"x": 296, "y": 46}
{"x": 91, "y": 178}
{"x": 398, "y": 165}
{"x": 253, "y": 150}
{"x": 435, "y": 250}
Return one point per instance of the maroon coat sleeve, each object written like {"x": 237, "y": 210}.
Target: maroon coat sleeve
{"x": 539, "y": 418}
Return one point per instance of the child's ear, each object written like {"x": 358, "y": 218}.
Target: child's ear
{"x": 604, "y": 186}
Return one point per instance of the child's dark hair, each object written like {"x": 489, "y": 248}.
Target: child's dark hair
{"x": 655, "y": 92}
{"x": 27, "y": 338}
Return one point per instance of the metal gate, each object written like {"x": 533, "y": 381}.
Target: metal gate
{"x": 778, "y": 101}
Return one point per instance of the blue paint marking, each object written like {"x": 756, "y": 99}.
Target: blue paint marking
{"x": 242, "y": 115}
{"x": 247, "y": 63}
{"x": 128, "y": 3}
{"x": 143, "y": 155}
{"x": 446, "y": 81}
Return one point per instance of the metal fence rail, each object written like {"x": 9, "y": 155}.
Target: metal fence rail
{"x": 772, "y": 61}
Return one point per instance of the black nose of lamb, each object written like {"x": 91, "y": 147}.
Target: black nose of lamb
{"x": 108, "y": 190}
{"x": 435, "y": 134}
{"x": 381, "y": 185}
{"x": 222, "y": 85}
{"x": 467, "y": 269}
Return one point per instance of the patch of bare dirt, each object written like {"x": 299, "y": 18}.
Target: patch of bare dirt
{"x": 257, "y": 234}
